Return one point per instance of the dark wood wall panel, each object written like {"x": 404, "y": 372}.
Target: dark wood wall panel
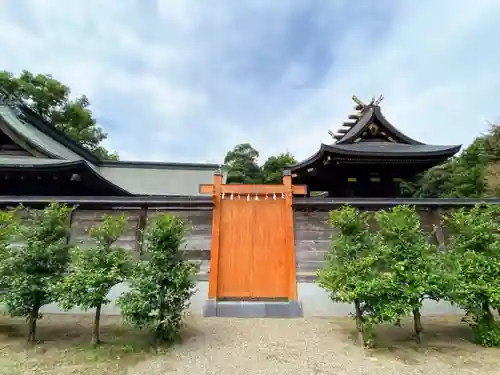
{"x": 312, "y": 233}
{"x": 197, "y": 246}
{"x": 312, "y": 240}
{"x": 83, "y": 220}
{"x": 313, "y": 236}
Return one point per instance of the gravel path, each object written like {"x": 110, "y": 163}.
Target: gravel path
{"x": 300, "y": 346}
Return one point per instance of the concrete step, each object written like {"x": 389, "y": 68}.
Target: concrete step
{"x": 252, "y": 309}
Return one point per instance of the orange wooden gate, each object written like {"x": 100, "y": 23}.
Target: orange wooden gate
{"x": 252, "y": 252}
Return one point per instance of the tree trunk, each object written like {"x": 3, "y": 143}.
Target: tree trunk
{"x": 417, "y": 323}
{"x": 359, "y": 323}
{"x": 32, "y": 318}
{"x": 161, "y": 318}
{"x": 95, "y": 328}
{"x": 487, "y": 312}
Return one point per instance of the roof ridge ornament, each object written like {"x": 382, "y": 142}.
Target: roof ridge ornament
{"x": 358, "y": 102}
{"x": 379, "y": 100}
{"x": 373, "y": 102}
{"x": 360, "y": 111}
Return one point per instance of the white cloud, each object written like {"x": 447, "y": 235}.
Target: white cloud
{"x": 186, "y": 80}
{"x": 430, "y": 93}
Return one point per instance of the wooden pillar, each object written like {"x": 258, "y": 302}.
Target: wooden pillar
{"x": 214, "y": 247}
{"x": 70, "y": 223}
{"x": 290, "y": 236}
{"x": 438, "y": 228}
{"x": 139, "y": 230}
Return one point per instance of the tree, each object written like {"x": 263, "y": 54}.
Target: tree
{"x": 272, "y": 170}
{"x": 30, "y": 271}
{"x": 492, "y": 172}
{"x": 351, "y": 274}
{"x": 162, "y": 285}
{"x": 241, "y": 165}
{"x": 472, "y": 265}
{"x": 50, "y": 99}
{"x": 410, "y": 260}
{"x": 434, "y": 183}
{"x": 94, "y": 271}
{"x": 467, "y": 175}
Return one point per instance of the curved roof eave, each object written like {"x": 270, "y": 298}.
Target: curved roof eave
{"x": 105, "y": 180}
{"x": 301, "y": 164}
{"x": 423, "y": 150}
{"x": 434, "y": 151}
{"x": 76, "y": 163}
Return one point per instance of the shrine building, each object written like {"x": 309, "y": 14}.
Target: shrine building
{"x": 258, "y": 246}
{"x": 369, "y": 159}
{"x": 36, "y": 159}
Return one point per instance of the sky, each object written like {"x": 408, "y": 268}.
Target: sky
{"x": 187, "y": 80}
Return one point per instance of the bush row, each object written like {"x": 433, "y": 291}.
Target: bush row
{"x": 387, "y": 273}
{"x": 38, "y": 266}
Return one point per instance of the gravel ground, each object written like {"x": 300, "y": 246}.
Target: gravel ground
{"x": 318, "y": 346}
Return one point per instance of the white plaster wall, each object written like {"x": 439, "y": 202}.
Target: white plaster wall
{"x": 158, "y": 181}
{"x": 111, "y": 309}
{"x": 315, "y": 303}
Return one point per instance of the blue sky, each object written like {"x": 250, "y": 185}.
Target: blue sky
{"x": 174, "y": 80}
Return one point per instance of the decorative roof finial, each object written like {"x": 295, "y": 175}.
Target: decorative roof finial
{"x": 379, "y": 100}
{"x": 359, "y": 104}
{"x": 361, "y": 109}
{"x": 373, "y": 102}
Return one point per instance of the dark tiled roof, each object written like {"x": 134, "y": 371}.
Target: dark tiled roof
{"x": 390, "y": 149}
{"x": 27, "y": 116}
{"x": 380, "y": 150}
{"x": 54, "y": 165}
{"x": 403, "y": 146}
{"x": 369, "y": 115}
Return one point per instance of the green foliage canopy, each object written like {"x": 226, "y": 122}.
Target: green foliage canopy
{"x": 30, "y": 268}
{"x": 411, "y": 262}
{"x": 472, "y": 264}
{"x": 351, "y": 274}
{"x": 51, "y": 100}
{"x": 273, "y": 167}
{"x": 241, "y": 164}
